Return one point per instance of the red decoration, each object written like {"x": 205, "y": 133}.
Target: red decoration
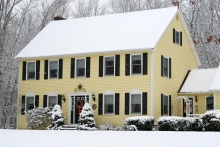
{"x": 79, "y": 104}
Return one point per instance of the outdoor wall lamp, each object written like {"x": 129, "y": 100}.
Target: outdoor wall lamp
{"x": 196, "y": 107}
{"x": 63, "y": 97}
{"x": 93, "y": 97}
{"x": 196, "y": 99}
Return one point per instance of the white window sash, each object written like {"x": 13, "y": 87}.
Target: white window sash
{"x": 49, "y": 69}
{"x": 76, "y": 68}
{"x": 28, "y": 71}
{"x": 131, "y": 64}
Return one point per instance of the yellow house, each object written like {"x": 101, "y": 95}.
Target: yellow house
{"x": 129, "y": 64}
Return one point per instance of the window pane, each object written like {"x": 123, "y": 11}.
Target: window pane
{"x": 109, "y": 104}
{"x": 31, "y": 70}
{"x": 53, "y": 69}
{"x": 81, "y": 67}
{"x": 165, "y": 105}
{"x": 209, "y": 103}
{"x": 177, "y": 37}
{"x": 165, "y": 67}
{"x": 136, "y": 64}
{"x": 109, "y": 65}
{"x": 52, "y": 101}
{"x": 30, "y": 103}
{"x": 135, "y": 103}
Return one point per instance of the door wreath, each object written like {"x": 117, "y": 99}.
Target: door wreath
{"x": 79, "y": 105}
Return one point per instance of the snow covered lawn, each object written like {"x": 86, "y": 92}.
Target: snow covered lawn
{"x": 46, "y": 138}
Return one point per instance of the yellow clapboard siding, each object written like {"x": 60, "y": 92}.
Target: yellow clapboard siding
{"x": 217, "y": 100}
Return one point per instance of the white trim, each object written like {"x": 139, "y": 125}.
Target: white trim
{"x": 104, "y": 71}
{"x": 52, "y": 94}
{"x": 168, "y": 65}
{"x": 76, "y": 68}
{"x": 168, "y": 104}
{"x": 49, "y": 69}
{"x": 103, "y": 107}
{"x": 214, "y": 100}
{"x": 34, "y": 71}
{"x": 176, "y": 35}
{"x": 134, "y": 92}
{"x": 109, "y": 92}
{"x": 29, "y": 94}
{"x": 206, "y": 103}
{"x": 18, "y": 104}
{"x": 131, "y": 74}
{"x": 152, "y": 82}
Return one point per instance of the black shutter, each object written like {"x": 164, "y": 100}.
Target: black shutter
{"x": 46, "y": 69}
{"x": 126, "y": 103}
{"x": 170, "y": 68}
{"x": 60, "y": 100}
{"x": 145, "y": 56}
{"x": 45, "y": 101}
{"x": 169, "y": 105}
{"x": 161, "y": 65}
{"x": 144, "y": 103}
{"x": 117, "y": 95}
{"x": 37, "y": 69}
{"x": 161, "y": 104}
{"x": 72, "y": 70}
{"x": 117, "y": 65}
{"x": 87, "y": 67}
{"x": 100, "y": 66}
{"x": 36, "y": 101}
{"x": 23, "y": 105}
{"x": 60, "y": 76}
{"x": 174, "y": 35}
{"x": 24, "y": 71}
{"x": 100, "y": 104}
{"x": 181, "y": 39}
{"x": 127, "y": 64}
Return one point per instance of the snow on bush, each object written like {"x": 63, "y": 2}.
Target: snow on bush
{"x": 57, "y": 118}
{"x": 37, "y": 117}
{"x": 86, "y": 118}
{"x": 144, "y": 123}
{"x": 210, "y": 121}
{"x": 175, "y": 123}
{"x": 111, "y": 127}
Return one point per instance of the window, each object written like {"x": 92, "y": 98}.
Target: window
{"x": 209, "y": 103}
{"x": 52, "y": 101}
{"x": 80, "y": 67}
{"x": 165, "y": 105}
{"x": 135, "y": 103}
{"x": 177, "y": 37}
{"x": 53, "y": 69}
{"x": 109, "y": 65}
{"x": 165, "y": 67}
{"x": 31, "y": 68}
{"x": 29, "y": 103}
{"x": 136, "y": 64}
{"x": 109, "y": 104}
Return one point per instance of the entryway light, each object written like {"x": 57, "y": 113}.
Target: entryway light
{"x": 196, "y": 99}
{"x": 93, "y": 97}
{"x": 63, "y": 97}
{"x": 196, "y": 108}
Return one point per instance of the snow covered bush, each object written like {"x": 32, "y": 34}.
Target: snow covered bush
{"x": 86, "y": 118}
{"x": 175, "y": 123}
{"x": 111, "y": 127}
{"x": 106, "y": 126}
{"x": 37, "y": 117}
{"x": 56, "y": 117}
{"x": 143, "y": 123}
{"x": 210, "y": 121}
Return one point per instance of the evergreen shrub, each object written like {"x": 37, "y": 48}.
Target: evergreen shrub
{"x": 143, "y": 123}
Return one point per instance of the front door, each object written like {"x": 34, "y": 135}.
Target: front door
{"x": 191, "y": 107}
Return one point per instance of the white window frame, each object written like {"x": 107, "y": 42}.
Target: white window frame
{"x": 176, "y": 31}
{"x": 206, "y": 103}
{"x": 27, "y": 70}
{"x": 134, "y": 92}
{"x": 131, "y": 73}
{"x": 104, "y": 71}
{"x": 113, "y": 95}
{"x": 168, "y": 109}
{"x": 168, "y": 65}
{"x": 50, "y": 95}
{"x": 30, "y": 94}
{"x": 76, "y": 68}
{"x": 49, "y": 69}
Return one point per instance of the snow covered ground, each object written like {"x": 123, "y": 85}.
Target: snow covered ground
{"x": 46, "y": 138}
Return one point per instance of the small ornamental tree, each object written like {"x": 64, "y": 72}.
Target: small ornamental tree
{"x": 57, "y": 118}
{"x": 86, "y": 118}
{"x": 37, "y": 117}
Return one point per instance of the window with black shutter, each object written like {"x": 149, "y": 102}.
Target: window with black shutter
{"x": 60, "y": 100}
{"x": 72, "y": 68}
{"x": 177, "y": 37}
{"x": 117, "y": 97}
{"x": 144, "y": 103}
{"x": 23, "y": 105}
{"x": 31, "y": 70}
{"x": 80, "y": 67}
{"x": 37, "y": 69}
{"x": 100, "y": 104}
{"x": 36, "y": 101}
{"x": 60, "y": 68}
{"x": 46, "y": 69}
{"x": 45, "y": 101}
{"x": 87, "y": 67}
{"x": 127, "y": 103}
{"x": 100, "y": 66}
{"x": 24, "y": 71}
{"x": 165, "y": 67}
{"x": 145, "y": 65}
{"x": 127, "y": 65}
{"x": 109, "y": 66}
{"x": 165, "y": 104}
{"x": 117, "y": 65}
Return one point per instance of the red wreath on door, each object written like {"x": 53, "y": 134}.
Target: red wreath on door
{"x": 79, "y": 104}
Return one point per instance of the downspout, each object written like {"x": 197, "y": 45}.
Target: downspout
{"x": 152, "y": 82}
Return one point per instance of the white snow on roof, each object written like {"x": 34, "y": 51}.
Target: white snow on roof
{"x": 115, "y": 32}
{"x": 215, "y": 86}
{"x": 199, "y": 80}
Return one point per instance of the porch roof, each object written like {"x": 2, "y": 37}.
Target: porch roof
{"x": 215, "y": 86}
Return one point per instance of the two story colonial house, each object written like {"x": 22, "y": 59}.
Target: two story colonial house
{"x": 130, "y": 64}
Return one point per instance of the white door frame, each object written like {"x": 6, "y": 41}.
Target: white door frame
{"x": 192, "y": 105}
{"x": 70, "y": 101}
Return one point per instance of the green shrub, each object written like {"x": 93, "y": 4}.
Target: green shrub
{"x": 210, "y": 121}
{"x": 143, "y": 123}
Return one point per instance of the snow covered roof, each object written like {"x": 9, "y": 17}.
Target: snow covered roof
{"x": 215, "y": 86}
{"x": 107, "y": 33}
{"x": 198, "y": 81}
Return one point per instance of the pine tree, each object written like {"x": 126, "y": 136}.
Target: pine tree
{"x": 86, "y": 118}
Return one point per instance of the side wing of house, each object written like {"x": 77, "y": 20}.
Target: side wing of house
{"x": 174, "y": 56}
